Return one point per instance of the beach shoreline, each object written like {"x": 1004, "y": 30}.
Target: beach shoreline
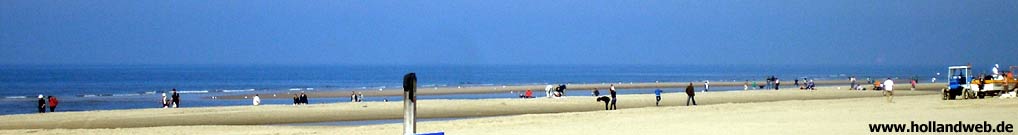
{"x": 540, "y": 88}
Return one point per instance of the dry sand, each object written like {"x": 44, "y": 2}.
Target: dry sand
{"x": 823, "y": 116}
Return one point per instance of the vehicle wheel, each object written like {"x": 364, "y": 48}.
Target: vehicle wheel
{"x": 945, "y": 96}
{"x": 981, "y": 95}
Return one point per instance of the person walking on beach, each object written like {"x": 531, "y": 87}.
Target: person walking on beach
{"x": 53, "y": 103}
{"x": 42, "y": 105}
{"x": 707, "y": 85}
{"x": 657, "y": 93}
{"x": 690, "y": 93}
{"x": 852, "y": 79}
{"x": 547, "y": 91}
{"x": 796, "y": 84}
{"x": 611, "y": 90}
{"x": 176, "y": 98}
{"x": 166, "y": 101}
{"x": 777, "y": 83}
{"x": 596, "y": 92}
{"x": 256, "y": 100}
{"x": 913, "y": 84}
{"x": 296, "y": 99}
{"x": 889, "y": 90}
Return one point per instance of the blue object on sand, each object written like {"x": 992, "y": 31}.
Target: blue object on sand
{"x": 435, "y": 133}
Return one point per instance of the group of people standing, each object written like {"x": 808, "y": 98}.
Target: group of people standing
{"x": 52, "y": 104}
{"x": 356, "y": 96}
{"x": 173, "y": 101}
{"x": 609, "y": 101}
{"x": 300, "y": 99}
{"x": 612, "y": 99}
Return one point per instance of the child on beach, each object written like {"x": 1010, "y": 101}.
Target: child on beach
{"x": 706, "y": 85}
{"x": 166, "y": 102}
{"x": 596, "y": 92}
{"x": 657, "y": 93}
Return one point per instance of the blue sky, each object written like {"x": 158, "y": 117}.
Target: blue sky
{"x": 727, "y": 32}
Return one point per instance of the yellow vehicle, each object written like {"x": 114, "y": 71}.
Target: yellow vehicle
{"x": 993, "y": 85}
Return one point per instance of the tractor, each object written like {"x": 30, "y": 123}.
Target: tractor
{"x": 958, "y": 85}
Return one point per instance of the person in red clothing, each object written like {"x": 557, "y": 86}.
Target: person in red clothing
{"x": 530, "y": 94}
{"x": 53, "y": 103}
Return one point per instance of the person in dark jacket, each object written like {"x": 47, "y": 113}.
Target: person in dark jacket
{"x": 303, "y": 98}
{"x": 42, "y": 105}
{"x": 176, "y": 98}
{"x": 296, "y": 99}
{"x": 611, "y": 90}
{"x": 690, "y": 93}
{"x": 53, "y": 103}
{"x": 604, "y": 99}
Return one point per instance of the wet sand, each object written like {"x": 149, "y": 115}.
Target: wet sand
{"x": 540, "y": 88}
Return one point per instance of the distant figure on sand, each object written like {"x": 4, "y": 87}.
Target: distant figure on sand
{"x": 852, "y": 84}
{"x": 303, "y": 98}
{"x": 777, "y": 83}
{"x": 256, "y": 100}
{"x": 296, "y": 99}
{"x": 166, "y": 101}
{"x": 889, "y": 90}
{"x": 42, "y": 105}
{"x": 353, "y": 96}
{"x": 360, "y": 97}
{"x": 745, "y": 85}
{"x": 606, "y": 100}
{"x": 706, "y": 85}
{"x": 528, "y": 94}
{"x": 657, "y": 93}
{"x": 547, "y": 91}
{"x": 596, "y": 92}
{"x": 754, "y": 85}
{"x": 690, "y": 93}
{"x": 53, "y": 103}
{"x": 611, "y": 90}
{"x": 176, "y": 98}
{"x": 913, "y": 84}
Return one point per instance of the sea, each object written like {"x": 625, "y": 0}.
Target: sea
{"x": 108, "y": 87}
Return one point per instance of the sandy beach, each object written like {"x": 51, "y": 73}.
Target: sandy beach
{"x": 281, "y": 114}
{"x": 825, "y": 111}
